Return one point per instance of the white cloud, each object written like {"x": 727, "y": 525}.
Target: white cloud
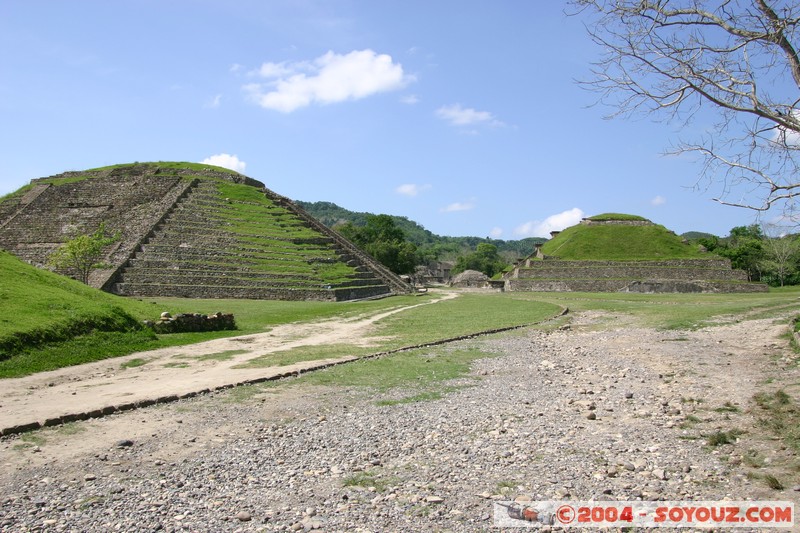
{"x": 787, "y": 137}
{"x": 496, "y": 233}
{"x": 226, "y": 161}
{"x": 461, "y": 116}
{"x": 410, "y": 99}
{"x": 279, "y": 70}
{"x": 555, "y": 222}
{"x": 411, "y": 189}
{"x": 213, "y": 103}
{"x": 330, "y": 78}
{"x": 658, "y": 200}
{"x": 458, "y": 206}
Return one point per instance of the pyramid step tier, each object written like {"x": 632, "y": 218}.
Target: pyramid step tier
{"x": 631, "y": 285}
{"x": 216, "y": 292}
{"x": 235, "y": 279}
{"x": 630, "y": 271}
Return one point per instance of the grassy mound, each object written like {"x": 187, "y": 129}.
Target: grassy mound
{"x": 41, "y": 307}
{"x": 620, "y": 242}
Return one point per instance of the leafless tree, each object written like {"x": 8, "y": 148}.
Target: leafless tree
{"x": 781, "y": 252}
{"x": 677, "y": 59}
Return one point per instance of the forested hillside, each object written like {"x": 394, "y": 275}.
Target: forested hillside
{"x": 429, "y": 245}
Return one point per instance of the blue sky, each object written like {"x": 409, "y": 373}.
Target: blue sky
{"x": 462, "y": 115}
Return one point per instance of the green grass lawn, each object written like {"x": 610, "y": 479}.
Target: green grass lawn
{"x": 426, "y": 323}
{"x": 678, "y": 311}
{"x": 50, "y": 321}
{"x": 465, "y": 315}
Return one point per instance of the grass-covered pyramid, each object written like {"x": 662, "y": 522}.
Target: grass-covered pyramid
{"x": 191, "y": 230}
{"x": 618, "y": 252}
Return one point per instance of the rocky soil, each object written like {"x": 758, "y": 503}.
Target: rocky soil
{"x": 599, "y": 410}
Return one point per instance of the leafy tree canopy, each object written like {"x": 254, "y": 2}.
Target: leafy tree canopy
{"x": 484, "y": 259}
{"x": 82, "y": 254}
{"x": 430, "y": 247}
{"x": 384, "y": 241}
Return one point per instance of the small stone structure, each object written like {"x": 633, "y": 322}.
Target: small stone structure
{"x": 614, "y": 222}
{"x": 680, "y": 275}
{"x": 539, "y": 272}
{"x": 192, "y": 322}
{"x": 434, "y": 272}
{"x": 470, "y": 279}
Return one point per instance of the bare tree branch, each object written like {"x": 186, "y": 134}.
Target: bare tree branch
{"x": 673, "y": 58}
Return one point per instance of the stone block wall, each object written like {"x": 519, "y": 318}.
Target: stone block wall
{"x": 192, "y": 322}
{"x": 677, "y": 270}
{"x": 680, "y": 275}
{"x": 629, "y": 285}
{"x": 60, "y": 212}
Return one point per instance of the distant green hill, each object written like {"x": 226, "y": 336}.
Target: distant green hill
{"x": 429, "y": 243}
{"x": 614, "y": 237}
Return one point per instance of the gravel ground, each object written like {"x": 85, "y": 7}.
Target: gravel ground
{"x": 582, "y": 413}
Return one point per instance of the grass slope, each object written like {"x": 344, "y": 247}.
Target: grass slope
{"x": 620, "y": 243}
{"x": 53, "y": 321}
{"x": 43, "y": 308}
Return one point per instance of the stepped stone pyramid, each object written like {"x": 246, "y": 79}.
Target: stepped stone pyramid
{"x": 551, "y": 273}
{"x": 192, "y": 231}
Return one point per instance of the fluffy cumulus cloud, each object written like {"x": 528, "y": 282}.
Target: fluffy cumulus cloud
{"x": 460, "y": 116}
{"x": 786, "y": 137}
{"x": 555, "y": 222}
{"x": 658, "y": 200}
{"x": 458, "y": 206}
{"x": 411, "y": 189}
{"x": 331, "y": 78}
{"x": 226, "y": 161}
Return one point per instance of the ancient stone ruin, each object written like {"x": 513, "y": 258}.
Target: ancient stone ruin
{"x": 192, "y": 322}
{"x": 470, "y": 279}
{"x": 191, "y": 231}
{"x": 545, "y": 273}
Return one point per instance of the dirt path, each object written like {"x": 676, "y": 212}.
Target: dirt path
{"x": 519, "y": 425}
{"x": 177, "y": 371}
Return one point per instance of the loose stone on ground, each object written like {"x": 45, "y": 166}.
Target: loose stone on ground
{"x": 573, "y": 414}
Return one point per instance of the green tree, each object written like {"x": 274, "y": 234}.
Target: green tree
{"x": 753, "y": 231}
{"x": 782, "y": 253}
{"x": 745, "y": 249}
{"x": 81, "y": 255}
{"x": 484, "y": 259}
{"x": 384, "y": 241}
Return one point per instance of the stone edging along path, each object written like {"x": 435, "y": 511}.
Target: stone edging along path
{"x": 271, "y": 374}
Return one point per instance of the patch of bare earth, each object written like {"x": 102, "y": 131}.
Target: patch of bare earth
{"x": 602, "y": 409}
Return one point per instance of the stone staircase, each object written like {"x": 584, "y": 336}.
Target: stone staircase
{"x": 36, "y": 223}
{"x": 210, "y": 246}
